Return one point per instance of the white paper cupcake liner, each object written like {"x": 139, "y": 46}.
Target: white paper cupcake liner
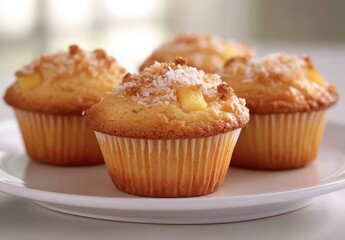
{"x": 168, "y": 168}
{"x": 280, "y": 141}
{"x": 58, "y": 140}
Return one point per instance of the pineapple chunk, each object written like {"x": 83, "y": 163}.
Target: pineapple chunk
{"x": 314, "y": 76}
{"x": 191, "y": 99}
{"x": 228, "y": 53}
{"x": 29, "y": 82}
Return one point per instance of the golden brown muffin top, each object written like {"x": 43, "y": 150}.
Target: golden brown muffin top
{"x": 203, "y": 51}
{"x": 169, "y": 101}
{"x": 279, "y": 83}
{"x": 64, "y": 83}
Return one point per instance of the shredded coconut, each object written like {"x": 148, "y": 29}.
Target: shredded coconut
{"x": 74, "y": 62}
{"x": 161, "y": 81}
{"x": 286, "y": 66}
{"x": 189, "y": 42}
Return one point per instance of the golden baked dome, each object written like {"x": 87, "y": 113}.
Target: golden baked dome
{"x": 169, "y": 101}
{"x": 278, "y": 83}
{"x": 203, "y": 51}
{"x": 65, "y": 82}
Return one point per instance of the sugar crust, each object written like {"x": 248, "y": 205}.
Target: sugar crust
{"x": 72, "y": 81}
{"x": 139, "y": 108}
{"x": 278, "y": 83}
{"x": 204, "y": 51}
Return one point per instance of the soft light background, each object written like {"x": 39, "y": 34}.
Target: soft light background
{"x": 131, "y": 29}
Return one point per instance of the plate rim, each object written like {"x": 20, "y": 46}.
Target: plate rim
{"x": 174, "y": 204}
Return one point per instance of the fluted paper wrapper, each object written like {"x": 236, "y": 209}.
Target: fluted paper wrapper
{"x": 280, "y": 141}
{"x": 59, "y": 140}
{"x": 168, "y": 168}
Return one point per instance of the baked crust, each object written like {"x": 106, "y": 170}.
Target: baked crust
{"x": 278, "y": 83}
{"x": 146, "y": 106}
{"x": 71, "y": 82}
{"x": 203, "y": 51}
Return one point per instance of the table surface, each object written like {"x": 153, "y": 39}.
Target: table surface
{"x": 324, "y": 219}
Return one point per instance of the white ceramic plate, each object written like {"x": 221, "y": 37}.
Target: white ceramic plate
{"x": 88, "y": 191}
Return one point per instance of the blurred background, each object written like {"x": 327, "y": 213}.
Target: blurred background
{"x": 131, "y": 29}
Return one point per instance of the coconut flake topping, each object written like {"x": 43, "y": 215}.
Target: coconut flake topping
{"x": 161, "y": 81}
{"x": 74, "y": 62}
{"x": 280, "y": 64}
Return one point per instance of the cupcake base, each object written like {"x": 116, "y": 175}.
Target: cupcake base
{"x": 59, "y": 140}
{"x": 168, "y": 168}
{"x": 279, "y": 141}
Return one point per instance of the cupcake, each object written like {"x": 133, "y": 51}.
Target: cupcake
{"x": 203, "y": 51}
{"x": 169, "y": 131}
{"x": 288, "y": 101}
{"x": 48, "y": 98}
